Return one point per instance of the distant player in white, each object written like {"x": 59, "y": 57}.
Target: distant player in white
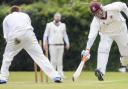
{"x": 111, "y": 26}
{"x": 18, "y": 32}
{"x": 55, "y": 33}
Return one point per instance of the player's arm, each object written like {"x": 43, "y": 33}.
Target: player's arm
{"x": 119, "y": 6}
{"x": 29, "y": 20}
{"x": 5, "y": 29}
{"x": 94, "y": 28}
{"x": 66, "y": 39}
{"x": 45, "y": 36}
{"x": 122, "y": 7}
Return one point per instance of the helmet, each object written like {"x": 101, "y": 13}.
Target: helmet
{"x": 94, "y": 7}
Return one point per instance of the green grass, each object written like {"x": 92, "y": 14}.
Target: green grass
{"x": 87, "y": 80}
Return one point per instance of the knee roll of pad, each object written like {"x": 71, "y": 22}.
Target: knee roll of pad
{"x": 124, "y": 60}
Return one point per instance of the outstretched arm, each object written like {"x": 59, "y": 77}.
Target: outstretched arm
{"x": 94, "y": 28}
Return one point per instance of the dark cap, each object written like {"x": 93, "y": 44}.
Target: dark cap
{"x": 15, "y": 8}
{"x": 94, "y": 7}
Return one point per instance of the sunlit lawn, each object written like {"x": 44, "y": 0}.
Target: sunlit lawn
{"x": 87, "y": 80}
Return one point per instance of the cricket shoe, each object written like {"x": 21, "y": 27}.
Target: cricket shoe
{"x": 99, "y": 75}
{"x": 3, "y": 82}
{"x": 57, "y": 80}
{"x": 122, "y": 70}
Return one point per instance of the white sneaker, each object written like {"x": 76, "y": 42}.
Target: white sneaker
{"x": 122, "y": 70}
{"x": 57, "y": 80}
{"x": 2, "y": 81}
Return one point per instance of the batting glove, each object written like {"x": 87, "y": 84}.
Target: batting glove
{"x": 85, "y": 53}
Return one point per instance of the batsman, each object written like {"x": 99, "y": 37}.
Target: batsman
{"x": 109, "y": 23}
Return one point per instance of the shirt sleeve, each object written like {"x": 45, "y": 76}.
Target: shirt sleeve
{"x": 5, "y": 29}
{"x": 118, "y": 6}
{"x": 29, "y": 19}
{"x": 94, "y": 29}
{"x": 124, "y": 8}
{"x": 66, "y": 39}
{"x": 46, "y": 33}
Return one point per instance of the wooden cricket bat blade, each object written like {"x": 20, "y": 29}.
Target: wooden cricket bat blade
{"x": 78, "y": 71}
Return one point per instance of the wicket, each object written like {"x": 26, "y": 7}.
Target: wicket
{"x": 42, "y": 79}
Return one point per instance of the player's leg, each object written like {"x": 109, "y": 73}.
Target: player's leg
{"x": 12, "y": 48}
{"x": 60, "y": 60}
{"x": 53, "y": 55}
{"x": 103, "y": 54}
{"x": 35, "y": 51}
{"x": 122, "y": 42}
{"x": 122, "y": 68}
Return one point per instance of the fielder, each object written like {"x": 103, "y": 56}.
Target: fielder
{"x": 55, "y": 34}
{"x": 111, "y": 26}
{"x": 19, "y": 35}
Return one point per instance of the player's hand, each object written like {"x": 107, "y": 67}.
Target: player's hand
{"x": 45, "y": 47}
{"x": 85, "y": 53}
{"x": 67, "y": 47}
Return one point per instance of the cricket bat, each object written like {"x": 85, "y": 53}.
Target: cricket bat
{"x": 79, "y": 69}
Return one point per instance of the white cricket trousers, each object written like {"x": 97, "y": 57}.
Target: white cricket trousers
{"x": 56, "y": 57}
{"x": 104, "y": 48}
{"x": 28, "y": 42}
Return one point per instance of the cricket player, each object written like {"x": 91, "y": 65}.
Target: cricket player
{"x": 56, "y": 36}
{"x": 18, "y": 33}
{"x": 111, "y": 26}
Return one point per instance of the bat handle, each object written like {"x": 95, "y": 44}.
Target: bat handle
{"x": 84, "y": 58}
